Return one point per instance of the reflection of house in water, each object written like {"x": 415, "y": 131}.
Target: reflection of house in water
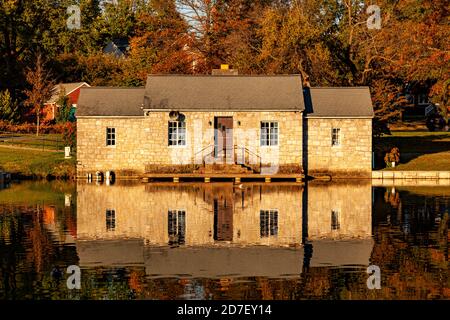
{"x": 340, "y": 223}
{"x": 223, "y": 213}
{"x": 192, "y": 215}
{"x": 220, "y": 229}
{"x": 176, "y": 221}
{"x": 339, "y": 211}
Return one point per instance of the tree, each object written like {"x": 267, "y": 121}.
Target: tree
{"x": 9, "y": 108}
{"x": 161, "y": 43}
{"x": 219, "y": 27}
{"x": 39, "y": 79}
{"x": 64, "y": 108}
{"x": 119, "y": 17}
{"x": 41, "y": 25}
{"x": 387, "y": 99}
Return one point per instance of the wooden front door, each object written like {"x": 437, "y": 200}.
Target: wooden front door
{"x": 223, "y": 139}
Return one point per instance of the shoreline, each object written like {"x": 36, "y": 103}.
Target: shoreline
{"x": 377, "y": 176}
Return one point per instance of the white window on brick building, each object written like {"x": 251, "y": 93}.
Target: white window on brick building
{"x": 268, "y": 223}
{"x": 110, "y": 136}
{"x": 335, "y": 137}
{"x": 177, "y": 133}
{"x": 269, "y": 133}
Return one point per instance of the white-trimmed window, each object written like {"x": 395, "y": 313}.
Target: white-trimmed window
{"x": 177, "y": 133}
{"x": 176, "y": 227}
{"x": 110, "y": 136}
{"x": 269, "y": 133}
{"x": 268, "y": 223}
{"x": 335, "y": 137}
{"x": 335, "y": 223}
{"x": 110, "y": 220}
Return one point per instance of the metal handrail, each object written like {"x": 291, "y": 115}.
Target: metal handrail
{"x": 201, "y": 151}
{"x": 248, "y": 151}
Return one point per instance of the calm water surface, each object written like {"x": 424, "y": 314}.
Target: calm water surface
{"x": 219, "y": 241}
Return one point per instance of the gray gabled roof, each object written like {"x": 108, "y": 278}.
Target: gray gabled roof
{"x": 102, "y": 101}
{"x": 350, "y": 252}
{"x": 67, "y": 87}
{"x": 338, "y": 102}
{"x": 224, "y": 93}
{"x": 206, "y": 262}
{"x": 212, "y": 262}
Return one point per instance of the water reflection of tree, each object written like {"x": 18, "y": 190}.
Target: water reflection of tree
{"x": 412, "y": 249}
{"x": 393, "y": 198}
{"x": 29, "y": 252}
{"x": 412, "y": 272}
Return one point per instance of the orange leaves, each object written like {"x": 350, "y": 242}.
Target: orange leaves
{"x": 135, "y": 281}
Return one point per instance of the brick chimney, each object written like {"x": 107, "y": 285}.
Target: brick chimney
{"x": 225, "y": 71}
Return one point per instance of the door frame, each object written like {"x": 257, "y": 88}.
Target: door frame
{"x": 227, "y": 138}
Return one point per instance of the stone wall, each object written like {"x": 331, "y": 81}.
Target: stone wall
{"x": 142, "y": 141}
{"x": 287, "y": 201}
{"x": 133, "y": 142}
{"x": 141, "y": 211}
{"x": 351, "y": 202}
{"x": 353, "y": 157}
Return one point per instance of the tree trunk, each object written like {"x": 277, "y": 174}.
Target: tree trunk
{"x": 37, "y": 123}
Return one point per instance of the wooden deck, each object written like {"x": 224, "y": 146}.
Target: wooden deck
{"x": 210, "y": 177}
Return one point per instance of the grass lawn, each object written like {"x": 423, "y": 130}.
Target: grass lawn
{"x": 40, "y": 164}
{"x": 420, "y": 150}
{"x": 37, "y": 192}
{"x": 43, "y": 141}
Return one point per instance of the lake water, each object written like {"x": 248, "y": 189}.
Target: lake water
{"x": 220, "y": 241}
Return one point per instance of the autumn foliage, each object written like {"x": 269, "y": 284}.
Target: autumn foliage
{"x": 327, "y": 42}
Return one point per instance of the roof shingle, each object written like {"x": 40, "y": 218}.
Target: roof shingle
{"x": 338, "y": 102}
{"x": 67, "y": 87}
{"x": 110, "y": 102}
{"x": 224, "y": 93}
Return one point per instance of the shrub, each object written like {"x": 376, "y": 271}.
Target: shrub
{"x": 392, "y": 157}
{"x": 31, "y": 128}
{"x": 9, "y": 109}
{"x": 171, "y": 169}
{"x": 70, "y": 134}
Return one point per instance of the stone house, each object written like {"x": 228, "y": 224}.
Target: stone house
{"x": 338, "y": 131}
{"x": 238, "y": 124}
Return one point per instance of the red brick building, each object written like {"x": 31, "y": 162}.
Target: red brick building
{"x": 71, "y": 90}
